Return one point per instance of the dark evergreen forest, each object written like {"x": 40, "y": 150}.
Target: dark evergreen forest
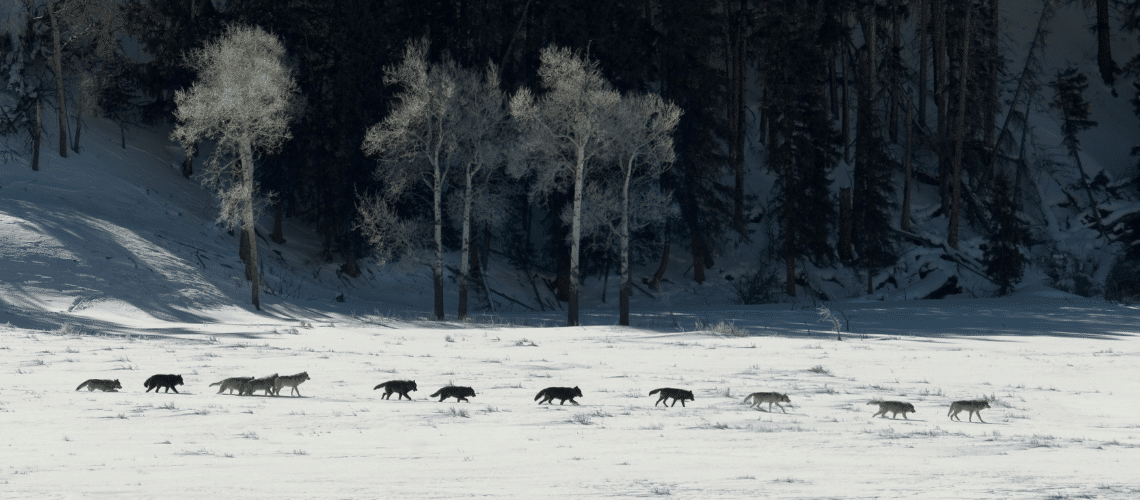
{"x": 800, "y": 91}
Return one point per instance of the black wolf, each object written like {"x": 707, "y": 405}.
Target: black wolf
{"x": 102, "y": 385}
{"x": 677, "y": 395}
{"x": 561, "y": 393}
{"x": 452, "y": 391}
{"x": 400, "y": 386}
{"x": 168, "y": 381}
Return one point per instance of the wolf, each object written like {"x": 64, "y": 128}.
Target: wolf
{"x": 266, "y": 384}
{"x": 457, "y": 392}
{"x": 895, "y": 407}
{"x": 560, "y": 393}
{"x": 677, "y": 395}
{"x": 167, "y": 381}
{"x": 974, "y": 406}
{"x": 232, "y": 384}
{"x": 102, "y": 385}
{"x": 770, "y": 398}
{"x": 399, "y": 386}
{"x": 291, "y": 380}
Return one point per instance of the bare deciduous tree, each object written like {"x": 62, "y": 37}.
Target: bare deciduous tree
{"x": 567, "y": 130}
{"x": 416, "y": 142}
{"x": 244, "y": 97}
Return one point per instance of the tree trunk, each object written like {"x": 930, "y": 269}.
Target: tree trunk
{"x": 623, "y": 316}
{"x": 845, "y": 236}
{"x": 896, "y": 53}
{"x": 655, "y": 283}
{"x": 248, "y": 222}
{"x": 278, "y": 237}
{"x": 845, "y": 126}
{"x": 78, "y": 128}
{"x": 832, "y": 84}
{"x": 960, "y": 130}
{"x": 243, "y": 253}
{"x": 465, "y": 249}
{"x": 734, "y": 41}
{"x": 904, "y": 223}
{"x": 790, "y": 275}
{"x": 993, "y": 96}
{"x": 576, "y": 236}
{"x": 37, "y": 134}
{"x": 123, "y": 137}
{"x": 1104, "y": 44}
{"x": 699, "y": 254}
{"x": 57, "y": 63}
{"x": 938, "y": 41}
{"x": 188, "y": 163}
{"x": 923, "y": 62}
{"x": 437, "y": 232}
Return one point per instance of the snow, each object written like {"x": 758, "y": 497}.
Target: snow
{"x": 111, "y": 266}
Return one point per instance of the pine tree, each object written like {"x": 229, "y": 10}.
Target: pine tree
{"x": 1002, "y": 257}
{"x": 873, "y": 188}
{"x": 1069, "y": 86}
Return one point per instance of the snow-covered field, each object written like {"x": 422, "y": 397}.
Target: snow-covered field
{"x": 111, "y": 267}
{"x": 1061, "y": 374}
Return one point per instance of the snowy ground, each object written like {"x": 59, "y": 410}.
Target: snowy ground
{"x": 111, "y": 266}
{"x": 1062, "y": 423}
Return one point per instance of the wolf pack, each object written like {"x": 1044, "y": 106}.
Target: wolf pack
{"x": 273, "y": 384}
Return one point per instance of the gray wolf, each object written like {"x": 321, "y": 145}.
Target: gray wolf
{"x": 973, "y": 406}
{"x": 266, "y": 384}
{"x": 290, "y": 380}
{"x": 453, "y": 391}
{"x": 168, "y": 381}
{"x": 102, "y": 385}
{"x": 232, "y": 384}
{"x": 398, "y": 386}
{"x": 560, "y": 393}
{"x": 768, "y": 397}
{"x": 895, "y": 407}
{"x": 677, "y": 395}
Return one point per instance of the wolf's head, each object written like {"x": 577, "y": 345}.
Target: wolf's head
{"x": 577, "y": 392}
{"x": 784, "y": 398}
{"x": 178, "y": 380}
{"x": 118, "y": 385}
{"x": 909, "y": 407}
{"x": 414, "y": 388}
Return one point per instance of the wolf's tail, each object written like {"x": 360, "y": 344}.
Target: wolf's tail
{"x": 874, "y": 402}
{"x": 654, "y": 391}
{"x": 216, "y": 383}
{"x": 540, "y": 394}
{"x": 81, "y": 386}
{"x": 379, "y": 386}
{"x": 433, "y": 395}
{"x": 746, "y": 398}
{"x": 951, "y": 410}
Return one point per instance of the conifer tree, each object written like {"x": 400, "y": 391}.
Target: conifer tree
{"x": 1002, "y": 257}
{"x": 1069, "y": 86}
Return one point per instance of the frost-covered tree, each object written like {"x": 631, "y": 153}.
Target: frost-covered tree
{"x": 417, "y": 143}
{"x": 629, "y": 198}
{"x": 482, "y": 133}
{"x": 244, "y": 98}
{"x": 567, "y": 130}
